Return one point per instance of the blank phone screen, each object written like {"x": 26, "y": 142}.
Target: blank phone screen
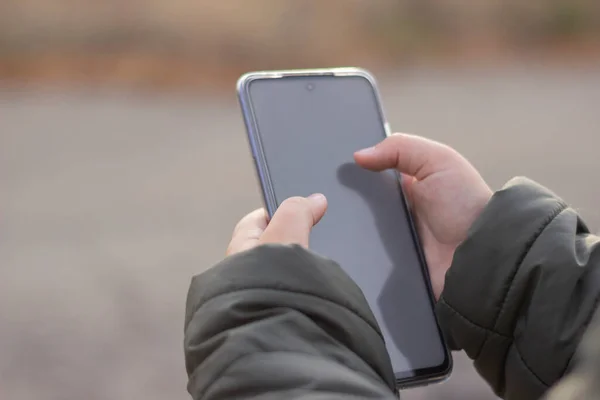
{"x": 309, "y": 128}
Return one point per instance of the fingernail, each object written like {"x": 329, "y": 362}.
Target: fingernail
{"x": 317, "y": 198}
{"x": 367, "y": 151}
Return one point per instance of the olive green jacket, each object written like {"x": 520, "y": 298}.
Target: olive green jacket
{"x": 279, "y": 322}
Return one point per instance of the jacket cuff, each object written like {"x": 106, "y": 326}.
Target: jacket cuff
{"x": 291, "y": 269}
{"x": 280, "y": 267}
{"x": 485, "y": 264}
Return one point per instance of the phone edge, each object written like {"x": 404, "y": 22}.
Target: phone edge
{"x": 253, "y": 139}
{"x": 444, "y": 374}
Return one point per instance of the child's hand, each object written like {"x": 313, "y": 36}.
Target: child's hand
{"x": 445, "y": 191}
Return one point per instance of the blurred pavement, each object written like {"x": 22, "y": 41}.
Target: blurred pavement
{"x": 109, "y": 203}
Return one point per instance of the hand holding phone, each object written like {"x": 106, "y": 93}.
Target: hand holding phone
{"x": 445, "y": 191}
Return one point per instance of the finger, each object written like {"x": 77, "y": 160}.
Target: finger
{"x": 294, "y": 219}
{"x": 248, "y": 231}
{"x": 409, "y": 154}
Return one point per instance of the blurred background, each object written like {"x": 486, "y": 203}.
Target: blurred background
{"x": 124, "y": 164}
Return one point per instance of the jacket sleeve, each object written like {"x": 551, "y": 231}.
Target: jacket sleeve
{"x": 521, "y": 290}
{"x": 279, "y": 322}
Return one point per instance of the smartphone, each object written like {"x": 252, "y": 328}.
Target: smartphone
{"x": 303, "y": 127}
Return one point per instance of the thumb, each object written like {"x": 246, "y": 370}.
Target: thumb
{"x": 409, "y": 154}
{"x": 294, "y": 219}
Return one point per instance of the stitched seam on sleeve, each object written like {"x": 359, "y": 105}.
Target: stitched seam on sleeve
{"x": 486, "y": 331}
{"x": 298, "y": 292}
{"x": 288, "y": 289}
{"x": 490, "y": 332}
{"x": 224, "y": 370}
{"x": 560, "y": 207}
{"x": 527, "y": 367}
{"x": 453, "y": 310}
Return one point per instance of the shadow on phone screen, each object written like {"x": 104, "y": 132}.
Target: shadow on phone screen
{"x": 400, "y": 295}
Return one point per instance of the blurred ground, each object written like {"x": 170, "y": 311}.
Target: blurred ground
{"x": 112, "y": 201}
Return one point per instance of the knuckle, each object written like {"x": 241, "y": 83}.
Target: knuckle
{"x": 447, "y": 153}
{"x": 395, "y": 138}
{"x": 294, "y": 208}
{"x": 293, "y": 204}
{"x": 394, "y": 143}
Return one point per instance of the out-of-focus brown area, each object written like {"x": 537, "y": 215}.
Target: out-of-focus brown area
{"x": 185, "y": 43}
{"x": 112, "y": 198}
